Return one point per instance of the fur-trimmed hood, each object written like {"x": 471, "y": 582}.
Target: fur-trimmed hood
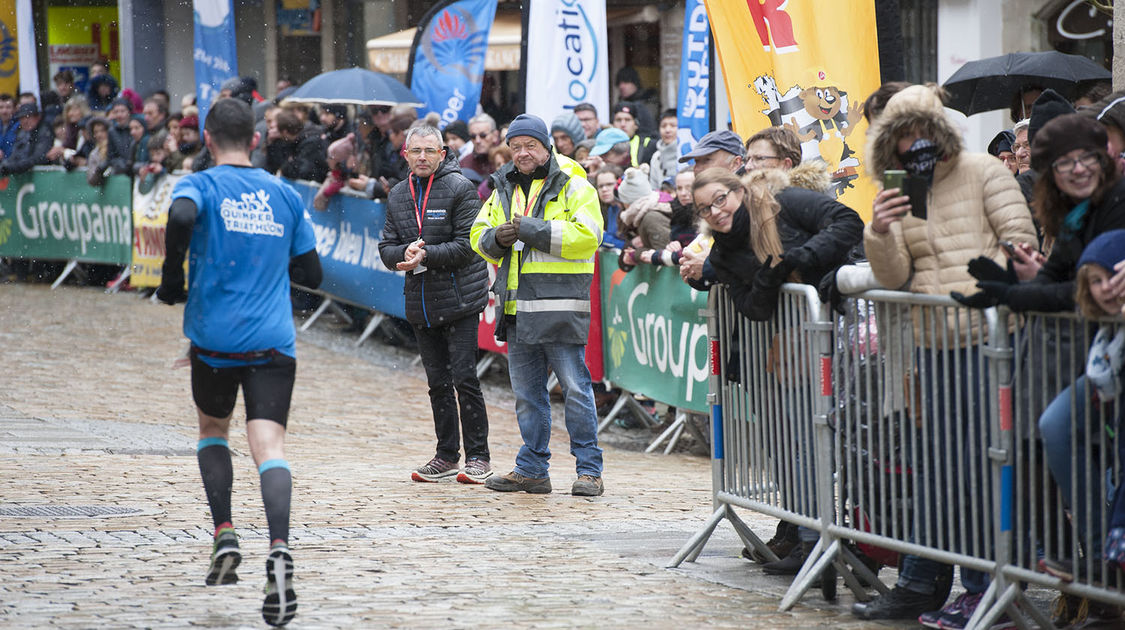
{"x": 916, "y": 107}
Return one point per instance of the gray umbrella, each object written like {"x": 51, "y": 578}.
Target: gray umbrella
{"x": 988, "y": 84}
{"x": 354, "y": 86}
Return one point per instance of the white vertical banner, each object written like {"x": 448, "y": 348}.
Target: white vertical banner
{"x": 29, "y": 67}
{"x": 566, "y": 58}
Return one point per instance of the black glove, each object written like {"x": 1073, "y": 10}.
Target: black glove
{"x": 992, "y": 293}
{"x": 829, "y": 293}
{"x": 986, "y": 270}
{"x": 506, "y": 234}
{"x": 772, "y": 277}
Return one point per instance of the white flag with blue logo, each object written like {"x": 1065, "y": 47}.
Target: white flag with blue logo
{"x": 565, "y": 57}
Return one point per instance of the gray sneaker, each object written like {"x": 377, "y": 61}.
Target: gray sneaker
{"x": 515, "y": 482}
{"x": 437, "y": 469}
{"x": 587, "y": 486}
{"x": 476, "y": 470}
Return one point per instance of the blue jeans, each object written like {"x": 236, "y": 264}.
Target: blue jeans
{"x": 919, "y": 574}
{"x": 1058, "y": 430}
{"x": 527, "y": 367}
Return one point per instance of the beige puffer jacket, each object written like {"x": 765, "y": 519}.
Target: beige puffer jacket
{"x": 973, "y": 205}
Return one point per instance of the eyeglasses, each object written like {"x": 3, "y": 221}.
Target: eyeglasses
{"x": 381, "y": 109}
{"x": 480, "y": 136}
{"x": 761, "y": 158}
{"x": 429, "y": 151}
{"x": 716, "y": 204}
{"x": 1064, "y": 166}
{"x": 1016, "y": 146}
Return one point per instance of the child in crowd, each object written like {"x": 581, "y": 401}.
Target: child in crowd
{"x": 157, "y": 164}
{"x": 646, "y": 218}
{"x": 682, "y": 229}
{"x": 341, "y": 164}
{"x": 1097, "y": 299}
{"x": 605, "y": 182}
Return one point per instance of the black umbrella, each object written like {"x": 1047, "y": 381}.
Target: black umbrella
{"x": 987, "y": 84}
{"x": 355, "y": 86}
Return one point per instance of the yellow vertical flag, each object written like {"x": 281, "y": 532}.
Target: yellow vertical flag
{"x": 808, "y": 65}
{"x": 9, "y": 49}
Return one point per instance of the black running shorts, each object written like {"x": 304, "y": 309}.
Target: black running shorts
{"x": 266, "y": 388}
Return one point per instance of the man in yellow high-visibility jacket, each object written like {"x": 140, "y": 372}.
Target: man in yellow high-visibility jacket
{"x": 542, "y": 227}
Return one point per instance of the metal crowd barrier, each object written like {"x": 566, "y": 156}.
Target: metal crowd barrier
{"x": 909, "y": 426}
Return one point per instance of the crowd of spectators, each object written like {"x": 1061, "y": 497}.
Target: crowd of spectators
{"x": 1007, "y": 229}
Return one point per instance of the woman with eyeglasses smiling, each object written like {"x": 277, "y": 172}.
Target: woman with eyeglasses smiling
{"x": 768, "y": 232}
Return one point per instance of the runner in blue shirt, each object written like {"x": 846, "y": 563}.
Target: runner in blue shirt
{"x": 248, "y": 235}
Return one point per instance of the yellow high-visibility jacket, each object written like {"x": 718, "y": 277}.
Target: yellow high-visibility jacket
{"x": 546, "y": 284}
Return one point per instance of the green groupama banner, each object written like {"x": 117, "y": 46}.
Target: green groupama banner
{"x": 655, "y": 340}
{"x": 55, "y": 215}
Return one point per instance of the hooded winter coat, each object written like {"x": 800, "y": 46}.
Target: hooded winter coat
{"x": 455, "y": 282}
{"x": 816, "y": 232}
{"x": 973, "y": 204}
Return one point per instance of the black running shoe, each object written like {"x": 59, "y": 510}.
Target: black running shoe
{"x": 280, "y": 604}
{"x": 225, "y": 557}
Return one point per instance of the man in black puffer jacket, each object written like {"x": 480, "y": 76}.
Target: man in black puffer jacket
{"x": 426, "y": 234}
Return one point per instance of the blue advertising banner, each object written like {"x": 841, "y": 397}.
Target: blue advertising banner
{"x": 216, "y": 57}
{"x": 447, "y": 58}
{"x": 347, "y": 241}
{"x": 695, "y": 76}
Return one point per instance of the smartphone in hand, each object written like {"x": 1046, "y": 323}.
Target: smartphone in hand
{"x": 1009, "y": 248}
{"x": 893, "y": 179}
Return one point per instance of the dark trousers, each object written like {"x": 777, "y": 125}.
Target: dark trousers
{"x": 449, "y": 354}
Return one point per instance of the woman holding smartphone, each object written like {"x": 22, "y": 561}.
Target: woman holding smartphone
{"x": 972, "y": 203}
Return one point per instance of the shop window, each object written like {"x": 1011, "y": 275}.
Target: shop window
{"x": 919, "y": 39}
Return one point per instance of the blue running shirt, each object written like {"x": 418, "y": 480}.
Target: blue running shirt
{"x": 249, "y": 225}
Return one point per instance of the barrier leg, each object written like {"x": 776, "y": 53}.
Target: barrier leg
{"x": 116, "y": 286}
{"x": 821, "y": 557}
{"x": 71, "y": 267}
{"x": 486, "y": 362}
{"x": 692, "y": 548}
{"x": 376, "y": 319}
{"x": 324, "y": 304}
{"x": 617, "y": 407}
{"x": 673, "y": 430}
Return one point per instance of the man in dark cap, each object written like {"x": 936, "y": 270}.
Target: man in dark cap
{"x": 334, "y": 119}
{"x": 457, "y": 138}
{"x": 626, "y": 116}
{"x": 1110, "y": 112}
{"x": 1001, "y": 147}
{"x": 628, "y": 82}
{"x": 542, "y": 227}
{"x": 120, "y": 142}
{"x": 717, "y": 148}
{"x": 32, "y": 142}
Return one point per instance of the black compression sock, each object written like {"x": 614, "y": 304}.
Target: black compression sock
{"x": 218, "y": 476}
{"x": 277, "y": 488}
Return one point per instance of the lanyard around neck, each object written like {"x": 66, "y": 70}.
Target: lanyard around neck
{"x": 532, "y": 193}
{"x": 421, "y": 211}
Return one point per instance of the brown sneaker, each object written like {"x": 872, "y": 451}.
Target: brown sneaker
{"x": 515, "y": 482}
{"x": 587, "y": 486}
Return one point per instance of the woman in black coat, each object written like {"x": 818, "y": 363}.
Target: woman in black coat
{"x": 762, "y": 219}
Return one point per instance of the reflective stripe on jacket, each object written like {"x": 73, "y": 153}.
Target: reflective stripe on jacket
{"x": 547, "y": 284}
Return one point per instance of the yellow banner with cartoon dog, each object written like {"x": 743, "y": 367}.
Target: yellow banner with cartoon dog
{"x": 808, "y": 65}
{"x": 152, "y": 196}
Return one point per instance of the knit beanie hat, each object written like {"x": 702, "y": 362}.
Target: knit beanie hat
{"x": 342, "y": 149}
{"x": 1107, "y": 249}
{"x": 634, "y": 185}
{"x": 1110, "y": 110}
{"x": 458, "y": 128}
{"x": 1002, "y": 143}
{"x": 568, "y": 123}
{"x": 529, "y": 125}
{"x": 191, "y": 121}
{"x": 1049, "y": 105}
{"x": 1063, "y": 134}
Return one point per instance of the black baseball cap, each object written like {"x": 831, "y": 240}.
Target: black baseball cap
{"x": 724, "y": 140}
